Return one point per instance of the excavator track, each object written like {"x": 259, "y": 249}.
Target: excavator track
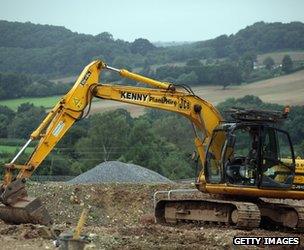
{"x": 281, "y": 214}
{"x": 243, "y": 215}
{"x": 235, "y": 213}
{"x": 247, "y": 215}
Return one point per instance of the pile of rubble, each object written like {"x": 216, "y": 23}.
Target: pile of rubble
{"x": 115, "y": 171}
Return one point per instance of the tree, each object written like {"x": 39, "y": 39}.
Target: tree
{"x": 190, "y": 78}
{"x": 7, "y": 112}
{"x": 104, "y": 36}
{"x": 268, "y": 62}
{"x": 121, "y": 62}
{"x": 141, "y": 46}
{"x": 107, "y": 138}
{"x": 287, "y": 64}
{"x": 246, "y": 64}
{"x": 175, "y": 166}
{"x": 146, "y": 148}
{"x": 6, "y": 117}
{"x": 28, "y": 117}
{"x": 4, "y": 123}
{"x": 221, "y": 45}
{"x": 24, "y": 107}
{"x": 163, "y": 123}
{"x": 228, "y": 73}
{"x": 194, "y": 63}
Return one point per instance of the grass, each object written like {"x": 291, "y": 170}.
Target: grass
{"x": 13, "y": 149}
{"x": 46, "y": 102}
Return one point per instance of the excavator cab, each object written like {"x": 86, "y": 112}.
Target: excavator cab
{"x": 254, "y": 153}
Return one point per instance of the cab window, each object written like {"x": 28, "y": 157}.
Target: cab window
{"x": 241, "y": 159}
{"x": 277, "y": 159}
{"x": 213, "y": 157}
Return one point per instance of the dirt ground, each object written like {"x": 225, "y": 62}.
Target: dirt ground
{"x": 120, "y": 217}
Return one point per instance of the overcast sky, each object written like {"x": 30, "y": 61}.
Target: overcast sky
{"x": 156, "y": 20}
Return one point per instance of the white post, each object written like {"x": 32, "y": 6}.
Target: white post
{"x": 21, "y": 150}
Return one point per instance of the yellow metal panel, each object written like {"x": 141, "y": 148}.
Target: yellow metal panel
{"x": 299, "y": 165}
{"x": 299, "y": 179}
{"x": 255, "y": 192}
{"x": 143, "y": 79}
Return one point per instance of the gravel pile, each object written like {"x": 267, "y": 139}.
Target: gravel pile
{"x": 115, "y": 171}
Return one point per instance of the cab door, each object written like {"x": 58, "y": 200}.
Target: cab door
{"x": 277, "y": 168}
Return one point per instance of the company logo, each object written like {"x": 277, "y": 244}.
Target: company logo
{"x": 133, "y": 96}
{"x": 181, "y": 103}
{"x": 85, "y": 78}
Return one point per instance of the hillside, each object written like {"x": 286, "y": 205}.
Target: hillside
{"x": 286, "y": 90}
{"x": 260, "y": 37}
{"x": 271, "y": 90}
{"x": 57, "y": 51}
{"x": 46, "y": 49}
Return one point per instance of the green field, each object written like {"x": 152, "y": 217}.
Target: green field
{"x": 13, "y": 149}
{"x": 47, "y": 102}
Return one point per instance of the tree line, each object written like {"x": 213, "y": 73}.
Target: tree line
{"x": 147, "y": 140}
{"x": 222, "y": 72}
{"x": 260, "y": 37}
{"x": 56, "y": 51}
{"x": 15, "y": 85}
{"x": 194, "y": 72}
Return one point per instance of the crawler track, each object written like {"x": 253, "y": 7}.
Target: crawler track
{"x": 235, "y": 213}
{"x": 285, "y": 215}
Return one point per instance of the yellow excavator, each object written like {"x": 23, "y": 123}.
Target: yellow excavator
{"x": 241, "y": 160}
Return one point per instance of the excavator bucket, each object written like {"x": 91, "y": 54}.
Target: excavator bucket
{"x": 18, "y": 208}
{"x": 27, "y": 210}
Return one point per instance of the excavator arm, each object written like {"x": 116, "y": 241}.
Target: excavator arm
{"x": 202, "y": 115}
{"x": 75, "y": 105}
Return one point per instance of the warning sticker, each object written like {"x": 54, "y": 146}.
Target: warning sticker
{"x": 58, "y": 128}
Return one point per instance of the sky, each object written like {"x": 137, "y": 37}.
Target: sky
{"x": 156, "y": 20}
